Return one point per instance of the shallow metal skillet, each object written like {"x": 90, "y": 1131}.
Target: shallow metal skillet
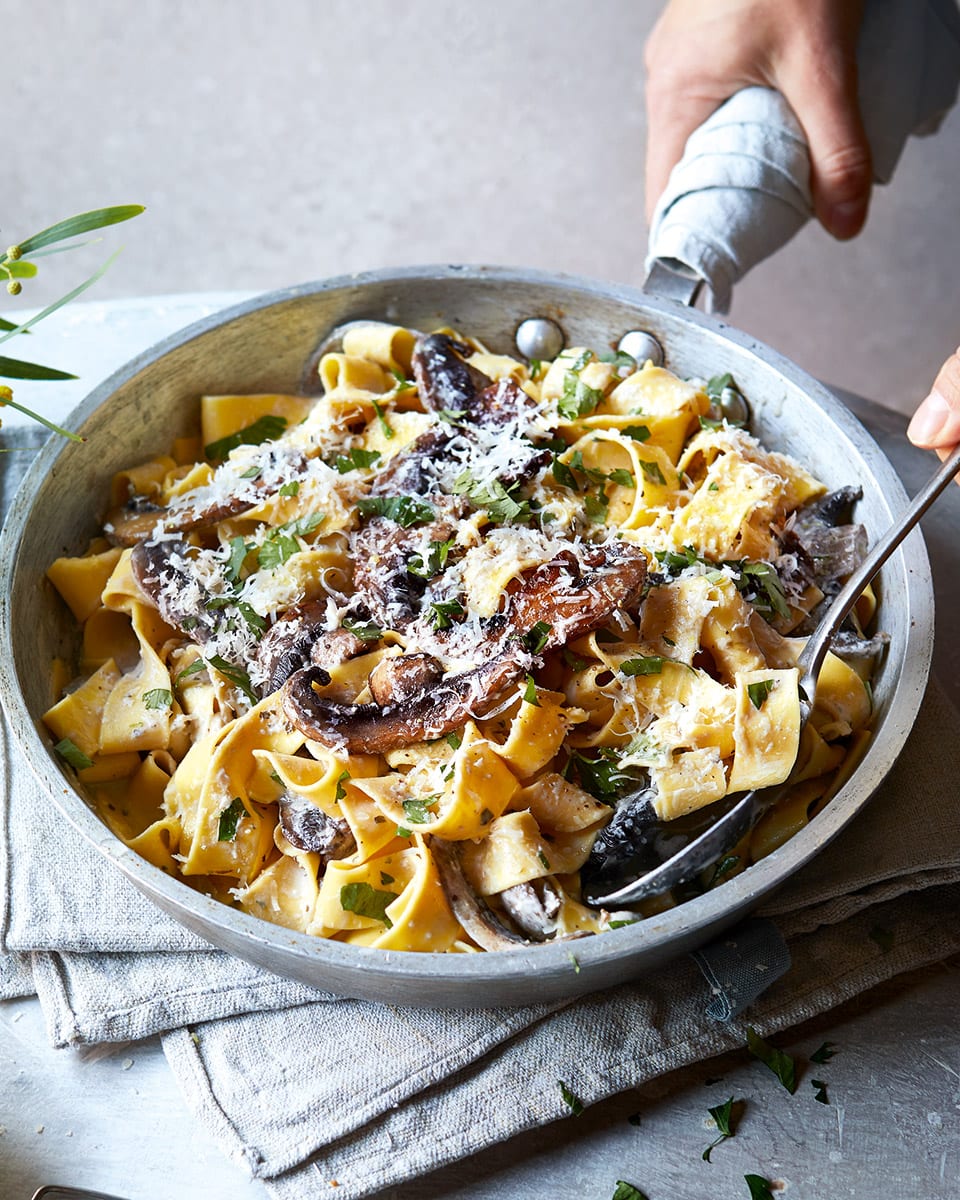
{"x": 263, "y": 344}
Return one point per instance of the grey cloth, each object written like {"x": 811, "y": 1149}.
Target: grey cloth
{"x": 742, "y": 188}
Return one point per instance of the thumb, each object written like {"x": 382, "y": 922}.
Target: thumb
{"x": 936, "y": 423}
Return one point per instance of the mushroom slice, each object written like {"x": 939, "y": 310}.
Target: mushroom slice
{"x": 299, "y": 638}
{"x": 137, "y": 520}
{"x": 533, "y": 907}
{"x": 572, "y": 600}
{"x": 397, "y": 680}
{"x": 160, "y": 571}
{"x": 375, "y": 729}
{"x": 474, "y": 914}
{"x": 308, "y": 827}
{"x": 445, "y": 381}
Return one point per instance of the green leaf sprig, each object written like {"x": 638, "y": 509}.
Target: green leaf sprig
{"x": 15, "y": 266}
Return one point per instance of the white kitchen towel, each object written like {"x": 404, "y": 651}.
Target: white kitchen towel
{"x": 742, "y": 188}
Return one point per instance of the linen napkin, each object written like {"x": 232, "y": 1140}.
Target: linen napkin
{"x": 742, "y": 188}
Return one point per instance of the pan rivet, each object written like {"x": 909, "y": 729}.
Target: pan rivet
{"x": 539, "y": 337}
{"x": 642, "y": 347}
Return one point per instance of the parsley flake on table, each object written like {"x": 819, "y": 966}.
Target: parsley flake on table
{"x": 759, "y": 1187}
{"x": 823, "y": 1053}
{"x": 574, "y": 1103}
{"x": 627, "y": 1191}
{"x": 782, "y": 1065}
{"x": 723, "y": 1116}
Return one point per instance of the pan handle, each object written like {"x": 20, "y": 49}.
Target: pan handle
{"x": 671, "y": 279}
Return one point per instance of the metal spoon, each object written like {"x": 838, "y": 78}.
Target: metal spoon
{"x": 713, "y": 843}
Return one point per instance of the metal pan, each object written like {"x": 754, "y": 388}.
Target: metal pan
{"x": 263, "y": 345}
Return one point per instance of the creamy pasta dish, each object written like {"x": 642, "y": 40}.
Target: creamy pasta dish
{"x": 411, "y": 662}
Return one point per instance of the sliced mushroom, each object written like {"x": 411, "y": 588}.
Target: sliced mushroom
{"x": 575, "y": 595}
{"x": 299, "y": 638}
{"x": 375, "y": 729}
{"x": 473, "y": 913}
{"x": 136, "y": 521}
{"x": 398, "y": 680}
{"x": 533, "y": 907}
{"x": 445, "y": 381}
{"x": 183, "y": 602}
{"x": 308, "y": 827}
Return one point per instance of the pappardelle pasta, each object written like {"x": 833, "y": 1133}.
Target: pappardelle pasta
{"x": 407, "y": 663}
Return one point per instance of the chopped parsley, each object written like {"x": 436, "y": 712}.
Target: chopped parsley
{"x": 281, "y": 543}
{"x": 402, "y": 383}
{"x": 499, "y": 504}
{"x": 454, "y": 741}
{"x": 250, "y": 473}
{"x": 759, "y": 1187}
{"x": 574, "y": 661}
{"x": 239, "y": 549}
{"x": 233, "y": 675}
{"x": 264, "y": 429}
{"x": 596, "y": 505}
{"x": 759, "y": 691}
{"x": 653, "y": 472}
{"x": 341, "y": 792}
{"x": 534, "y": 367}
{"x": 710, "y": 423}
{"x": 782, "y": 1065}
{"x": 290, "y": 489}
{"x": 626, "y": 1191}
{"x": 543, "y": 860}
{"x": 530, "y": 692}
{"x": 574, "y": 1103}
{"x": 620, "y": 360}
{"x": 639, "y": 433}
{"x": 365, "y": 901}
{"x": 366, "y": 631}
{"x": 355, "y": 460}
{"x": 601, "y": 776}
{"x": 230, "y": 818}
{"x": 418, "y": 812}
{"x": 442, "y": 610}
{"x": 385, "y": 427}
{"x": 722, "y": 869}
{"x": 717, "y": 383}
{"x": 435, "y": 562}
{"x": 648, "y": 664}
{"x": 823, "y": 1053}
{"x": 578, "y": 398}
{"x": 537, "y": 636}
{"x": 723, "y": 1115}
{"x": 70, "y": 752}
{"x": 451, "y": 416}
{"x": 158, "y": 698}
{"x": 405, "y": 511}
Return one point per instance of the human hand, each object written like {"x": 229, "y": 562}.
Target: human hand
{"x": 936, "y": 423}
{"x": 703, "y": 51}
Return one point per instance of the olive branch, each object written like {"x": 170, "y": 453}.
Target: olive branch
{"x": 16, "y": 264}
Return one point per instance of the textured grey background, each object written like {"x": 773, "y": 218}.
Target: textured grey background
{"x": 276, "y": 143}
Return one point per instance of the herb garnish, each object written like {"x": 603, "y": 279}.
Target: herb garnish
{"x": 500, "y": 506}
{"x": 233, "y": 675}
{"x": 264, "y": 429}
{"x": 626, "y": 1191}
{"x": 341, "y": 792}
{"x": 648, "y": 664}
{"x": 365, "y": 901}
{"x": 578, "y": 398}
{"x": 403, "y": 384}
{"x": 366, "y": 631}
{"x": 639, "y": 433}
{"x": 722, "y": 869}
{"x": 436, "y": 559}
{"x": 71, "y": 753}
{"x": 384, "y": 425}
{"x": 230, "y": 818}
{"x": 290, "y": 489}
{"x": 759, "y": 1187}
{"x": 823, "y": 1054}
{"x": 759, "y": 691}
{"x": 238, "y": 552}
{"x": 418, "y": 811}
{"x": 717, "y": 383}
{"x": 782, "y": 1065}
{"x": 653, "y": 472}
{"x": 281, "y": 543}
{"x": 530, "y": 692}
{"x": 442, "y": 611}
{"x": 601, "y": 776}
{"x": 355, "y": 460}
{"x": 722, "y": 1114}
{"x": 454, "y": 741}
{"x": 537, "y": 636}
{"x": 158, "y": 698}
{"x": 405, "y": 511}
{"x": 570, "y": 1100}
